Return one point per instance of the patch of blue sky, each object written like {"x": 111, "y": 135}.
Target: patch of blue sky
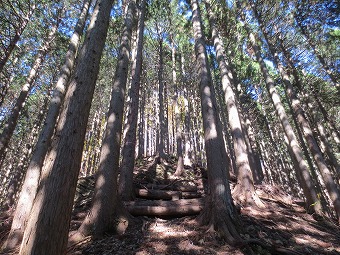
{"x": 117, "y": 9}
{"x": 270, "y": 65}
{"x": 252, "y": 90}
{"x": 230, "y": 3}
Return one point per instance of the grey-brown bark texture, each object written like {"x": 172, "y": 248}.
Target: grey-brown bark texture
{"x": 128, "y": 151}
{"x": 31, "y": 181}
{"x": 305, "y": 127}
{"x": 11, "y": 123}
{"x": 19, "y": 29}
{"x": 244, "y": 190}
{"x": 177, "y": 118}
{"x": 301, "y": 168}
{"x": 106, "y": 209}
{"x": 47, "y": 228}
{"x": 219, "y": 209}
{"x": 160, "y": 74}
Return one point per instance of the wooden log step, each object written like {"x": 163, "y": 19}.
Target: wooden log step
{"x": 176, "y": 208}
{"x": 158, "y": 194}
{"x": 165, "y": 194}
{"x": 176, "y": 187}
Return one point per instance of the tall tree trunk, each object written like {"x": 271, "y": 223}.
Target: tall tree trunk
{"x": 141, "y": 127}
{"x": 179, "y": 145}
{"x": 332, "y": 126}
{"x": 244, "y": 191}
{"x": 31, "y": 181}
{"x": 225, "y": 127}
{"x": 328, "y": 149}
{"x": 47, "y": 227}
{"x": 12, "y": 121}
{"x": 187, "y": 143}
{"x": 298, "y": 82}
{"x": 22, "y": 159}
{"x": 302, "y": 170}
{"x": 178, "y": 130}
{"x": 219, "y": 210}
{"x": 298, "y": 17}
{"x": 106, "y": 207}
{"x": 126, "y": 189}
{"x": 162, "y": 131}
{"x": 19, "y": 30}
{"x": 305, "y": 127}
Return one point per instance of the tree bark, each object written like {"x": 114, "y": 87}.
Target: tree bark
{"x": 244, "y": 191}
{"x": 128, "y": 151}
{"x": 12, "y": 121}
{"x": 177, "y": 119}
{"x": 30, "y": 185}
{"x": 47, "y": 227}
{"x": 298, "y": 82}
{"x": 305, "y": 127}
{"x": 160, "y": 81}
{"x": 219, "y": 209}
{"x": 19, "y": 30}
{"x": 106, "y": 207}
{"x": 302, "y": 171}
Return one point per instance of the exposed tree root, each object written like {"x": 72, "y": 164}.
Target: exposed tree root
{"x": 118, "y": 224}
{"x": 247, "y": 197}
{"x": 221, "y": 222}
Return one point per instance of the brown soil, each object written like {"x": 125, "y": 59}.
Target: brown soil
{"x": 283, "y": 227}
{"x": 281, "y": 230}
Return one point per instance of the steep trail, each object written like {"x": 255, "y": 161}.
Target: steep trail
{"x": 162, "y": 227}
{"x": 167, "y": 207}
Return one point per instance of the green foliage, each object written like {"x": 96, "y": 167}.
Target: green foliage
{"x": 335, "y": 34}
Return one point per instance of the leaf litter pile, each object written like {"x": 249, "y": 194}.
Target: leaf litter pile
{"x": 283, "y": 227}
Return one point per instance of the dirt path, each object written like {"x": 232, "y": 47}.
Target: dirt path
{"x": 283, "y": 227}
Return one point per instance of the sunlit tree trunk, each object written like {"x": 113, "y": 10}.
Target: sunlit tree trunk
{"x": 106, "y": 209}
{"x": 22, "y": 162}
{"x": 244, "y": 191}
{"x": 160, "y": 80}
{"x": 19, "y": 30}
{"x": 31, "y": 181}
{"x": 328, "y": 149}
{"x": 187, "y": 144}
{"x": 178, "y": 131}
{"x": 302, "y": 170}
{"x": 297, "y": 80}
{"x": 126, "y": 189}
{"x": 166, "y": 118}
{"x": 219, "y": 209}
{"x": 298, "y": 17}
{"x": 332, "y": 126}
{"x": 12, "y": 121}
{"x": 320, "y": 126}
{"x": 305, "y": 127}
{"x": 47, "y": 227}
{"x": 225, "y": 126}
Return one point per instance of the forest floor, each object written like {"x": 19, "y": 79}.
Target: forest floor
{"x": 283, "y": 227}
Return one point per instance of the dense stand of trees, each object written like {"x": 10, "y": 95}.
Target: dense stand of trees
{"x": 247, "y": 89}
